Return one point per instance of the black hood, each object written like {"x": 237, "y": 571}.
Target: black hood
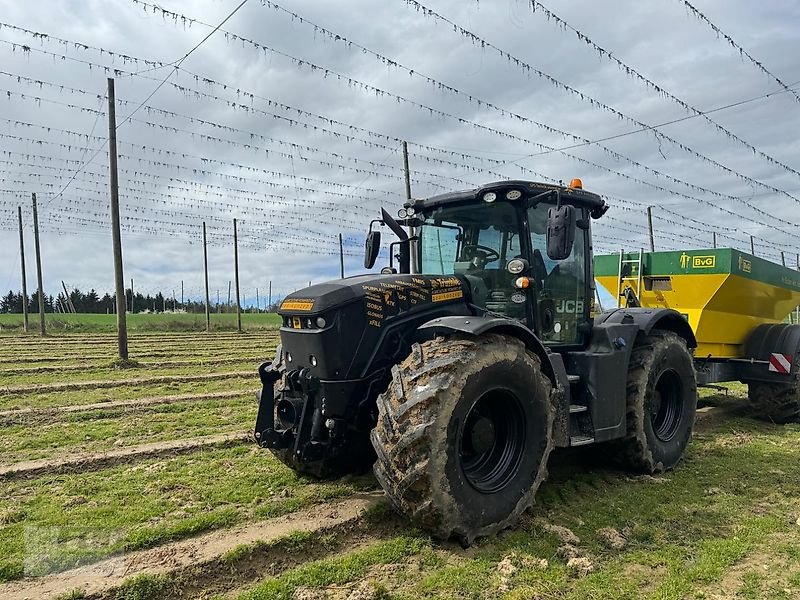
{"x": 385, "y": 295}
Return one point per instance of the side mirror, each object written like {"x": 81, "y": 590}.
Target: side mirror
{"x": 560, "y": 231}
{"x": 371, "y": 249}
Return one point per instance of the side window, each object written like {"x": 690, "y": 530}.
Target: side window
{"x": 561, "y": 284}
{"x": 439, "y": 249}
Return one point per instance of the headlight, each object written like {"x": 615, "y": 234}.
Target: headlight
{"x": 516, "y": 266}
{"x": 402, "y": 213}
{"x": 489, "y": 197}
{"x": 513, "y": 195}
{"x": 321, "y": 322}
{"x": 410, "y": 212}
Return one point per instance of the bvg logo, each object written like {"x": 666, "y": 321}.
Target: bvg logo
{"x": 698, "y": 262}
{"x": 704, "y": 262}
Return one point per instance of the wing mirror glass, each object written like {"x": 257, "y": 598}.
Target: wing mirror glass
{"x": 560, "y": 231}
{"x": 371, "y": 248}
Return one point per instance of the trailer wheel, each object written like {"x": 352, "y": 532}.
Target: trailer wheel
{"x": 662, "y": 398}
{"x": 464, "y": 433}
{"x": 779, "y": 403}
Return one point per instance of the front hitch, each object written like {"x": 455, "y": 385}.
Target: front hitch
{"x": 265, "y": 434}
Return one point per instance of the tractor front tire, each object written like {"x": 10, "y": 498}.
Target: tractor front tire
{"x": 464, "y": 433}
{"x": 661, "y": 404}
{"x": 779, "y": 403}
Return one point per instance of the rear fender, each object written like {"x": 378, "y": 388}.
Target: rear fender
{"x": 764, "y": 341}
{"x": 648, "y": 319}
{"x": 476, "y": 326}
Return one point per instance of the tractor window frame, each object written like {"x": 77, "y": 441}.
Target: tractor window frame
{"x": 583, "y": 243}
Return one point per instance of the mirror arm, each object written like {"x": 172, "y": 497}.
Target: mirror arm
{"x": 393, "y": 225}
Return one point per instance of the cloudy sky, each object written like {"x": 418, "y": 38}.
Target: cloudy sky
{"x": 290, "y": 119}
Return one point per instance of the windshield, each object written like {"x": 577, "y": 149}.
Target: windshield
{"x": 477, "y": 242}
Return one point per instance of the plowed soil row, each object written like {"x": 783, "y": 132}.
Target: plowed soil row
{"x": 47, "y": 343}
{"x": 188, "y": 346}
{"x": 30, "y": 414}
{"x": 108, "y": 356}
{"x": 144, "y": 365}
{"x": 43, "y": 388}
{"x": 202, "y": 555}
{"x": 88, "y": 338}
{"x": 97, "y": 460}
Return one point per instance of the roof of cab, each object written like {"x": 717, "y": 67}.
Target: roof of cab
{"x": 528, "y": 189}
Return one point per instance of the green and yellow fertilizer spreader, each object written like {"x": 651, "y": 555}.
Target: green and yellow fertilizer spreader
{"x": 736, "y": 304}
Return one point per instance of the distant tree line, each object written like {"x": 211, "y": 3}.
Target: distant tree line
{"x": 91, "y": 302}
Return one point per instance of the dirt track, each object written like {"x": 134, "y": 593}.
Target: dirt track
{"x": 20, "y": 414}
{"x": 44, "y": 388}
{"x": 173, "y": 558}
{"x": 95, "y": 460}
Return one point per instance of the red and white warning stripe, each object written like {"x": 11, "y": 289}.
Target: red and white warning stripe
{"x": 780, "y": 363}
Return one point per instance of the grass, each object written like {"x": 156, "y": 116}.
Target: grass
{"x": 82, "y": 517}
{"x": 687, "y": 532}
{"x": 112, "y": 373}
{"x": 723, "y": 525}
{"x": 138, "y": 322}
{"x": 128, "y": 392}
{"x": 108, "y": 429}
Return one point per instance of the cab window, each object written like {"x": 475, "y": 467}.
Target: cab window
{"x": 560, "y": 286}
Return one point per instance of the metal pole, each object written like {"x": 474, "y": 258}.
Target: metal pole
{"x": 236, "y": 276}
{"x": 258, "y": 303}
{"x": 341, "y": 257}
{"x": 131, "y": 294}
{"x": 783, "y": 258}
{"x": 752, "y": 246}
{"x": 650, "y": 228}
{"x": 22, "y": 266}
{"x": 228, "y": 304}
{"x": 714, "y": 238}
{"x": 269, "y": 305}
{"x": 411, "y": 232}
{"x": 181, "y": 293}
{"x": 205, "y": 271}
{"x": 122, "y": 327}
{"x": 42, "y": 328}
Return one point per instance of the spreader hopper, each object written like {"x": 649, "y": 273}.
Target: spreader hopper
{"x": 724, "y": 293}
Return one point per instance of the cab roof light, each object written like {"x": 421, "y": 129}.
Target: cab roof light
{"x": 576, "y": 184}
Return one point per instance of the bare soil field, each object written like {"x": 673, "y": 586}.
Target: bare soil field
{"x": 142, "y": 483}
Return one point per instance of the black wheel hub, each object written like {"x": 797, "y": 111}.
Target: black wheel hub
{"x": 666, "y": 409}
{"x": 492, "y": 441}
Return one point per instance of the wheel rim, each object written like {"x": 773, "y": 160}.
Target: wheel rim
{"x": 492, "y": 441}
{"x": 667, "y": 406}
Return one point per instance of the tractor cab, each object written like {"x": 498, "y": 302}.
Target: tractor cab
{"x": 524, "y": 248}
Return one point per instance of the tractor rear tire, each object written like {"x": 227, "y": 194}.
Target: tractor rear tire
{"x": 464, "y": 433}
{"x": 779, "y": 403}
{"x": 661, "y": 404}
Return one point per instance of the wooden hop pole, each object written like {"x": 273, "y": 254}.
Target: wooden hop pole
{"x": 24, "y": 278}
{"x": 42, "y": 328}
{"x": 122, "y": 326}
{"x": 205, "y": 270}
{"x": 236, "y": 276}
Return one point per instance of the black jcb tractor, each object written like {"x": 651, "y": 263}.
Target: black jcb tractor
{"x": 455, "y": 379}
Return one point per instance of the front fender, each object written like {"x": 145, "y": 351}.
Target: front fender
{"x": 477, "y": 326}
